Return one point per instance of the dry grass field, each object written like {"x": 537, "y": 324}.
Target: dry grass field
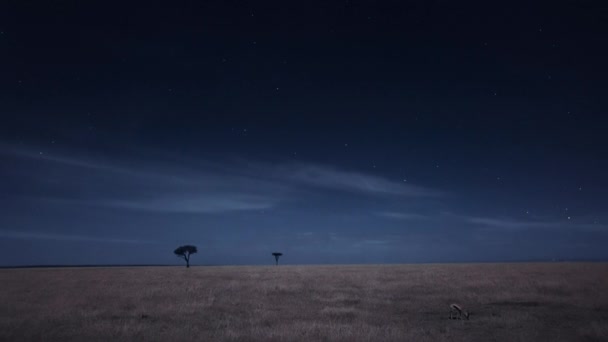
{"x": 509, "y": 302}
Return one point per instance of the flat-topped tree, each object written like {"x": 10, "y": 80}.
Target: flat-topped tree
{"x": 277, "y": 255}
{"x": 185, "y": 252}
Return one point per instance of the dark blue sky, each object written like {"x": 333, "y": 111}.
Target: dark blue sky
{"x": 334, "y": 132}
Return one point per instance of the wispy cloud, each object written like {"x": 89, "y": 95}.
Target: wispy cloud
{"x": 508, "y": 223}
{"x": 328, "y": 177}
{"x": 64, "y": 237}
{"x": 194, "y": 186}
{"x": 513, "y": 224}
{"x": 218, "y": 203}
{"x": 148, "y": 185}
{"x": 64, "y": 159}
{"x": 373, "y": 243}
{"x": 376, "y": 242}
{"x": 401, "y": 216}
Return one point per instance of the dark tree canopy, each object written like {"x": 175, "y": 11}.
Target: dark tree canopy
{"x": 277, "y": 255}
{"x": 185, "y": 252}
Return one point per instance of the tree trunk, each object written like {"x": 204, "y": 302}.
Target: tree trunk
{"x": 187, "y": 262}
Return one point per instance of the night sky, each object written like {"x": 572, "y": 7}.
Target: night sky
{"x": 331, "y": 131}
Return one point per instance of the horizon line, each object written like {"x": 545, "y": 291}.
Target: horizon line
{"x": 305, "y": 264}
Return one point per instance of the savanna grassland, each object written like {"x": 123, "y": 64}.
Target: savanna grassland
{"x": 509, "y": 302}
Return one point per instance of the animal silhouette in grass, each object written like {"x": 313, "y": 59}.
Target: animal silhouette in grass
{"x": 185, "y": 252}
{"x": 277, "y": 255}
{"x": 457, "y": 312}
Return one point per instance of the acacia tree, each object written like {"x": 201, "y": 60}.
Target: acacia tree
{"x": 185, "y": 252}
{"x": 277, "y": 255}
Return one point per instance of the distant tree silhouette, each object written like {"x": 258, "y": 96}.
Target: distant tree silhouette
{"x": 185, "y": 252}
{"x": 277, "y": 255}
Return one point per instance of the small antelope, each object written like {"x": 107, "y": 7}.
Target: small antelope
{"x": 456, "y": 312}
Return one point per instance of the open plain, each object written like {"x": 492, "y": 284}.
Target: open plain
{"x": 508, "y": 302}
